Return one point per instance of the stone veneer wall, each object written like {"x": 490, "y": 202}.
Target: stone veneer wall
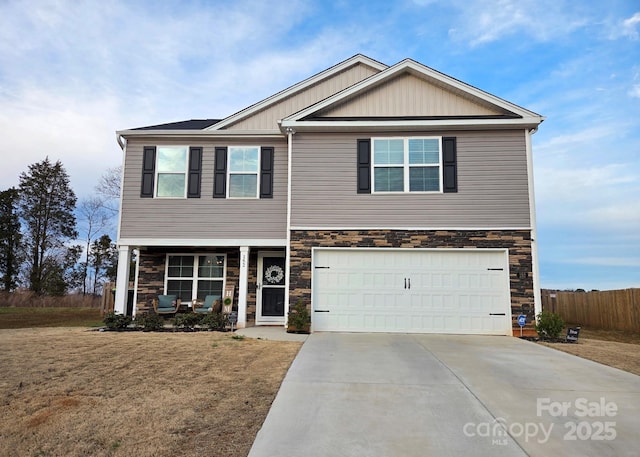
{"x": 152, "y": 268}
{"x": 517, "y": 241}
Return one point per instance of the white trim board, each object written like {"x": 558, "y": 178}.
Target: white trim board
{"x": 202, "y": 242}
{"x": 382, "y": 249}
{"x": 198, "y": 133}
{"x": 409, "y": 125}
{"x": 332, "y": 228}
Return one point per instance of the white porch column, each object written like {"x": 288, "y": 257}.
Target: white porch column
{"x": 243, "y": 281}
{"x": 537, "y": 299}
{"x": 122, "y": 280}
{"x": 287, "y": 259}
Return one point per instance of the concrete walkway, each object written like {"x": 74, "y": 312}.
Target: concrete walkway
{"x": 270, "y": 332}
{"x": 444, "y": 395}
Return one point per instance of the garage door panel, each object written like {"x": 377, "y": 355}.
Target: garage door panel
{"x": 445, "y": 291}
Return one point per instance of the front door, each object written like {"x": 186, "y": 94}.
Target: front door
{"x": 270, "y": 285}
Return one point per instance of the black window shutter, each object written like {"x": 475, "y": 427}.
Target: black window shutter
{"x": 195, "y": 171}
{"x": 266, "y": 172}
{"x": 220, "y": 173}
{"x": 148, "y": 171}
{"x": 364, "y": 166}
{"x": 450, "y": 172}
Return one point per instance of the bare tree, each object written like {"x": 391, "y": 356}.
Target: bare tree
{"x": 108, "y": 188}
{"x": 93, "y": 219}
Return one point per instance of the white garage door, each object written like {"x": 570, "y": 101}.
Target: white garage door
{"x": 411, "y": 291}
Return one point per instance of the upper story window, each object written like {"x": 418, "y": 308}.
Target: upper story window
{"x": 244, "y": 168}
{"x": 176, "y": 172}
{"x": 243, "y": 172}
{"x": 407, "y": 164}
{"x": 171, "y": 171}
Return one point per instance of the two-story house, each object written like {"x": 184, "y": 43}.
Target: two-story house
{"x": 386, "y": 198}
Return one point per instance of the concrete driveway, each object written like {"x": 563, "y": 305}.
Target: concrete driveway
{"x": 443, "y": 395}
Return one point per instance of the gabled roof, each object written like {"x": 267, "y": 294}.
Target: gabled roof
{"x": 299, "y": 87}
{"x": 496, "y": 110}
{"x": 337, "y": 100}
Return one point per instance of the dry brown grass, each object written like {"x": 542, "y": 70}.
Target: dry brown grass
{"x": 72, "y": 392}
{"x": 14, "y": 317}
{"x": 615, "y": 348}
{"x": 27, "y": 299}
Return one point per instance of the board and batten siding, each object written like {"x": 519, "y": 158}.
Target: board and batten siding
{"x": 408, "y": 95}
{"x": 205, "y": 217}
{"x": 492, "y": 185}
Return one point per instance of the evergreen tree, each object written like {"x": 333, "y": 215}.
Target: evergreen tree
{"x": 10, "y": 239}
{"x": 46, "y": 205}
{"x": 103, "y": 258}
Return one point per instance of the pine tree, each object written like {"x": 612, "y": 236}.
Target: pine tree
{"x": 46, "y": 205}
{"x": 103, "y": 258}
{"x": 10, "y": 239}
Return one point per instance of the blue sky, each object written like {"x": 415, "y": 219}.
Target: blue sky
{"x": 73, "y": 72}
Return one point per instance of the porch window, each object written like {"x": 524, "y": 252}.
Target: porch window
{"x": 195, "y": 276}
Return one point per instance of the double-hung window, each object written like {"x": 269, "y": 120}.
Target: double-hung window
{"x": 195, "y": 276}
{"x": 244, "y": 171}
{"x": 171, "y": 171}
{"x": 407, "y": 164}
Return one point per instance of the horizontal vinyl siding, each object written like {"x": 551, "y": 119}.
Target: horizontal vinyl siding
{"x": 205, "y": 217}
{"x": 267, "y": 118}
{"x": 492, "y": 186}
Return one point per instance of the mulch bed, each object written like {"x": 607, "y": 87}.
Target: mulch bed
{"x": 545, "y": 339}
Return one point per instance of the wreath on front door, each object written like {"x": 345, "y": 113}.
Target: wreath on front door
{"x": 274, "y": 274}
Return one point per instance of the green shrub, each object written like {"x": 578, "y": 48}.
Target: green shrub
{"x": 299, "y": 317}
{"x": 186, "y": 320}
{"x": 115, "y": 321}
{"x": 215, "y": 321}
{"x": 149, "y": 322}
{"x": 549, "y": 324}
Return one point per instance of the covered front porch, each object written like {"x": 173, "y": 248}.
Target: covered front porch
{"x": 255, "y": 276}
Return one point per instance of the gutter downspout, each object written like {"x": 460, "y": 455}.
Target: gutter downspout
{"x": 290, "y": 132}
{"x": 537, "y": 299}
{"x": 124, "y": 252}
{"x": 122, "y": 142}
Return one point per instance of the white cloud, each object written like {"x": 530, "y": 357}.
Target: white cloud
{"x": 600, "y": 198}
{"x": 79, "y": 133}
{"x": 635, "y": 91}
{"x": 480, "y": 22}
{"x": 630, "y": 26}
{"x": 71, "y": 76}
{"x": 623, "y": 28}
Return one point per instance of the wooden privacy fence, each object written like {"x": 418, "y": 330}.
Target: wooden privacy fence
{"x": 609, "y": 309}
{"x": 107, "y": 300}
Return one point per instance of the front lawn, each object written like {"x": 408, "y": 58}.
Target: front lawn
{"x": 25, "y": 317}
{"x": 74, "y": 392}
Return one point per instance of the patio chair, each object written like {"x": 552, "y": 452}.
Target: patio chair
{"x": 211, "y": 302}
{"x": 166, "y": 304}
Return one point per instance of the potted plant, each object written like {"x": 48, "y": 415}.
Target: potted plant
{"x": 299, "y": 319}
